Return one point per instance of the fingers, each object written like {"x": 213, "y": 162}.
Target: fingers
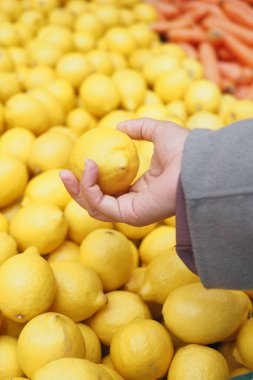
{"x": 70, "y": 182}
{"x": 140, "y": 129}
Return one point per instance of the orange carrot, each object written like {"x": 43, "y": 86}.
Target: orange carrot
{"x": 208, "y": 58}
{"x": 227, "y": 86}
{"x": 189, "y": 50}
{"x": 238, "y": 14}
{"x": 250, "y": 93}
{"x": 223, "y": 54}
{"x": 194, "y": 35}
{"x": 242, "y": 92}
{"x": 168, "y": 10}
{"x": 231, "y": 71}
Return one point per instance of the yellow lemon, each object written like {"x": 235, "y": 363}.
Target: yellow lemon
{"x": 165, "y": 273}
{"x": 243, "y": 109}
{"x": 74, "y": 67}
{"x": 227, "y": 104}
{"x": 189, "y": 309}
{"x": 107, "y": 361}
{"x": 122, "y": 307}
{"x": 9, "y": 365}
{"x": 127, "y": 16}
{"x": 39, "y": 225}
{"x": 99, "y": 94}
{"x": 104, "y": 251}
{"x": 239, "y": 371}
{"x": 84, "y": 41}
{"x": 159, "y": 64}
{"x": 139, "y": 57}
{"x": 172, "y": 85}
{"x": 8, "y": 247}
{"x": 118, "y": 60}
{"x": 136, "y": 279}
{"x": 131, "y": 87}
{"x": 112, "y": 119}
{"x": 89, "y": 22}
{"x": 133, "y": 232}
{"x": 6, "y": 62}
{"x": 194, "y": 68}
{"x": 145, "y": 12}
{"x": 67, "y": 251}
{"x": 226, "y": 349}
{"x": 142, "y": 34}
{"x": 171, "y": 221}
{"x": 4, "y": 224}
{"x": 141, "y": 349}
{"x": 80, "y": 223}
{"x": 195, "y": 361}
{"x": 63, "y": 90}
{"x": 18, "y": 142}
{"x": 33, "y": 19}
{"x": 37, "y": 76}
{"x": 10, "y": 327}
{"x": 202, "y": 95}
{"x": 24, "y": 111}
{"x": 114, "y": 375}
{"x": 13, "y": 179}
{"x": 2, "y": 126}
{"x": 18, "y": 55}
{"x": 76, "y": 7}
{"x": 161, "y": 239}
{"x": 177, "y": 109}
{"x": 115, "y": 154}
{"x": 48, "y": 337}
{"x": 51, "y": 150}
{"x": 100, "y": 61}
{"x": 79, "y": 292}
{"x": 204, "y": 119}
{"x": 61, "y": 17}
{"x": 135, "y": 254}
{"x": 66, "y": 368}
{"x": 11, "y": 210}
{"x": 27, "y": 286}
{"x": 9, "y": 85}
{"x": 243, "y": 352}
{"x": 47, "y": 187}
{"x": 58, "y": 36}
{"x": 24, "y": 33}
{"x": 52, "y": 105}
{"x": 45, "y": 6}
{"x": 80, "y": 121}
{"x": 92, "y": 343}
{"x": 43, "y": 53}
{"x": 17, "y": 378}
{"x": 8, "y": 35}
{"x": 11, "y": 8}
{"x": 120, "y": 40}
{"x": 109, "y": 15}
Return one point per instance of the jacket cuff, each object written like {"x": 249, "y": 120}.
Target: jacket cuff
{"x": 183, "y": 238}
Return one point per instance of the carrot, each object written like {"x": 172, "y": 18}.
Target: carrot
{"x": 208, "y": 58}
{"x": 242, "y": 92}
{"x": 241, "y": 52}
{"x": 250, "y": 93}
{"x": 231, "y": 71}
{"x": 238, "y": 14}
{"x": 223, "y": 54}
{"x": 227, "y": 86}
{"x": 241, "y": 4}
{"x": 160, "y": 26}
{"x": 168, "y": 10}
{"x": 193, "y": 35}
{"x": 189, "y": 49}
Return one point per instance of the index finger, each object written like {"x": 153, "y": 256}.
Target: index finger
{"x": 140, "y": 129}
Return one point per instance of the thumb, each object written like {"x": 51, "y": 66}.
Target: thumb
{"x": 140, "y": 129}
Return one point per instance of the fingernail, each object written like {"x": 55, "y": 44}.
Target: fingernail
{"x": 64, "y": 174}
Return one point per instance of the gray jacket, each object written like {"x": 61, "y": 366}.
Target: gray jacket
{"x": 217, "y": 180}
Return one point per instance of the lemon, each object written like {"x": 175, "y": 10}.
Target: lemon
{"x": 120, "y": 40}
{"x": 67, "y": 251}
{"x": 2, "y": 126}
{"x": 4, "y": 224}
{"x": 11, "y": 210}
{"x": 142, "y": 34}
{"x": 37, "y": 76}
{"x": 89, "y": 22}
{"x": 141, "y": 349}
{"x": 48, "y": 337}
{"x": 136, "y": 279}
{"x": 27, "y": 286}
{"x": 107, "y": 361}
{"x": 243, "y": 352}
{"x": 61, "y": 17}
{"x": 135, "y": 254}
{"x": 196, "y": 361}
{"x": 202, "y": 95}
{"x": 139, "y": 57}
{"x": 47, "y": 187}
{"x": 11, "y": 8}
{"x": 66, "y": 368}
{"x": 24, "y": 111}
{"x": 18, "y": 55}
{"x": 104, "y": 251}
{"x": 226, "y": 350}
{"x": 122, "y": 307}
{"x": 131, "y": 87}
{"x": 10, "y": 327}
{"x": 24, "y": 34}
{"x": 172, "y": 85}
{"x": 189, "y": 309}
{"x": 13, "y": 179}
{"x": 242, "y": 109}
{"x": 17, "y": 142}
{"x": 194, "y": 68}
{"x": 74, "y": 67}
{"x": 51, "y": 150}
{"x": 33, "y": 19}
{"x": 43, "y": 53}
{"x": 6, "y": 62}
{"x": 79, "y": 292}
{"x": 52, "y": 105}
{"x": 9, "y": 365}
{"x": 84, "y": 41}
{"x": 133, "y": 232}
{"x": 177, "y": 109}
{"x": 161, "y": 239}
{"x": 239, "y": 371}
{"x": 204, "y": 119}
{"x": 127, "y": 16}
{"x": 112, "y": 119}
{"x": 115, "y": 154}
{"x": 80, "y": 223}
{"x": 92, "y": 343}
{"x": 45, "y": 6}
{"x": 158, "y": 65}
{"x": 8, "y": 35}
{"x": 165, "y": 273}
{"x": 63, "y": 90}
{"x": 153, "y": 111}
{"x": 76, "y": 7}
{"x": 39, "y": 225}
{"x": 100, "y": 61}
{"x": 118, "y": 60}
{"x": 145, "y": 12}
{"x": 58, "y": 36}
{"x": 17, "y": 378}
{"x": 99, "y": 94}
{"x": 80, "y": 121}
{"x": 8, "y": 247}
{"x": 171, "y": 221}
{"x": 114, "y": 375}
{"x": 9, "y": 85}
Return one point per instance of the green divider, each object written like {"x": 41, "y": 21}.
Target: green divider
{"x": 247, "y": 376}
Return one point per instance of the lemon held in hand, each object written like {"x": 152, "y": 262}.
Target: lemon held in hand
{"x": 115, "y": 154}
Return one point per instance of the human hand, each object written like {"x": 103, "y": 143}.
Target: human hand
{"x": 152, "y": 197}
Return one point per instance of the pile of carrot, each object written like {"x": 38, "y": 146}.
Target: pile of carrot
{"x": 219, "y": 33}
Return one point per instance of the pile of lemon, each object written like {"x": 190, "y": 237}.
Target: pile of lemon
{"x": 88, "y": 299}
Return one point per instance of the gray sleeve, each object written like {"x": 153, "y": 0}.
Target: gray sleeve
{"x": 217, "y": 178}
